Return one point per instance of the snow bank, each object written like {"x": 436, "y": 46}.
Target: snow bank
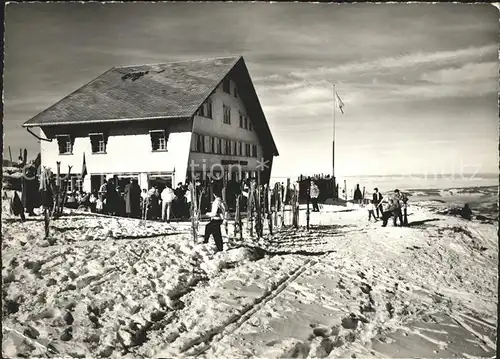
{"x": 115, "y": 287}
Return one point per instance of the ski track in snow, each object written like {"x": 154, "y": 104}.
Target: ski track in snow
{"x": 117, "y": 287}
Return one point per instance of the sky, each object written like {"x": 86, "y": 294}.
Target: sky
{"x": 419, "y": 82}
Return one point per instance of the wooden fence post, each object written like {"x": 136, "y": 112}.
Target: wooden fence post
{"x": 277, "y": 212}
{"x": 269, "y": 210}
{"x": 283, "y": 202}
{"x": 307, "y": 210}
{"x": 237, "y": 215}
{"x": 258, "y": 224}
{"x": 294, "y": 207}
{"x": 251, "y": 193}
{"x": 65, "y": 191}
{"x": 193, "y": 210}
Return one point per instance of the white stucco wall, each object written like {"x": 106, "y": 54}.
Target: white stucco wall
{"x": 217, "y": 128}
{"x": 124, "y": 154}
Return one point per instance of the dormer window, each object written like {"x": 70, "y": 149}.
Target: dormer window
{"x": 98, "y": 142}
{"x": 227, "y": 115}
{"x": 158, "y": 140}
{"x": 235, "y": 92}
{"x": 226, "y": 86}
{"x": 250, "y": 127}
{"x": 206, "y": 110}
{"x": 245, "y": 123}
{"x": 65, "y": 143}
{"x": 208, "y": 105}
{"x": 241, "y": 120}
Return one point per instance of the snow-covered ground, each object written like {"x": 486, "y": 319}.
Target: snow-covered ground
{"x": 116, "y": 287}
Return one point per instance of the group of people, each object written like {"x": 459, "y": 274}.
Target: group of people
{"x": 394, "y": 206}
{"x": 133, "y": 202}
{"x": 167, "y": 203}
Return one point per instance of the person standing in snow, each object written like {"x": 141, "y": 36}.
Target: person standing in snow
{"x": 111, "y": 198}
{"x": 389, "y": 208}
{"x": 178, "y": 205}
{"x": 398, "y": 214}
{"x": 93, "y": 201}
{"x": 357, "y": 195}
{"x": 314, "y": 194}
{"x": 187, "y": 197}
{"x": 153, "y": 203}
{"x": 167, "y": 197}
{"x": 404, "y": 199}
{"x": 132, "y": 199}
{"x": 377, "y": 198}
{"x": 29, "y": 189}
{"x": 217, "y": 216}
{"x": 371, "y": 211}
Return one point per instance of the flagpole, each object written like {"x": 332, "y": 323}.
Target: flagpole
{"x": 333, "y": 144}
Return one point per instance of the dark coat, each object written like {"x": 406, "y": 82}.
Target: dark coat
{"x": 132, "y": 198}
{"x": 16, "y": 206}
{"x": 377, "y": 197}
{"x": 357, "y": 194}
{"x": 30, "y": 196}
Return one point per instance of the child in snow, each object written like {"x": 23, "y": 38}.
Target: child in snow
{"x": 99, "y": 205}
{"x": 371, "y": 211}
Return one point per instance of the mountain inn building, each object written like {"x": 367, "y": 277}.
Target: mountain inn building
{"x": 160, "y": 123}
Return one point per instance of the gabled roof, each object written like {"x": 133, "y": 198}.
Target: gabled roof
{"x": 170, "y": 90}
{"x": 158, "y": 91}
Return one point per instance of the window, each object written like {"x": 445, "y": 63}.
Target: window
{"x": 227, "y": 115}
{"x": 235, "y": 148}
{"x": 240, "y": 148}
{"x": 219, "y": 146}
{"x": 212, "y": 144}
{"x": 206, "y": 109}
{"x": 229, "y": 146}
{"x": 250, "y": 127}
{"x": 158, "y": 140}
{"x": 75, "y": 184}
{"x": 65, "y": 143}
{"x": 245, "y": 123}
{"x": 209, "y": 109}
{"x": 254, "y": 151}
{"x": 235, "y": 92}
{"x": 241, "y": 120}
{"x": 200, "y": 143}
{"x": 247, "y": 150}
{"x": 226, "y": 86}
{"x": 98, "y": 142}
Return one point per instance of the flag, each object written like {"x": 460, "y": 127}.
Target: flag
{"x": 339, "y": 102}
{"x": 84, "y": 167}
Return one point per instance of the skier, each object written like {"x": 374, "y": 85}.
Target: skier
{"x": 314, "y": 194}
{"x": 398, "y": 214}
{"x": 377, "y": 198}
{"x": 217, "y": 216}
